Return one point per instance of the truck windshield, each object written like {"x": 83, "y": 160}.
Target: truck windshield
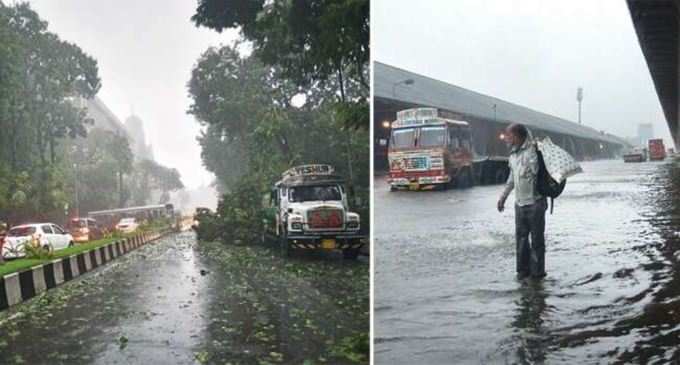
{"x": 402, "y": 138}
{"x": 300, "y": 194}
{"x": 432, "y": 136}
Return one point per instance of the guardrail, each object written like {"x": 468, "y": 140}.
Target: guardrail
{"x": 23, "y": 285}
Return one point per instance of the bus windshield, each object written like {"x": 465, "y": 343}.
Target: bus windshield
{"x": 301, "y": 194}
{"x": 403, "y": 138}
{"x": 432, "y": 136}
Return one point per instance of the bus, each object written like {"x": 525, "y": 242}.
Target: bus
{"x": 109, "y": 218}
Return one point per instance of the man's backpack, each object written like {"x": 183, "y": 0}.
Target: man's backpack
{"x": 545, "y": 184}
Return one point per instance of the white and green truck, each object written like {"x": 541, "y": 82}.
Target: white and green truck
{"x": 308, "y": 209}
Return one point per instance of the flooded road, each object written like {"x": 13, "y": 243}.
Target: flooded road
{"x": 177, "y": 301}
{"x": 445, "y": 288}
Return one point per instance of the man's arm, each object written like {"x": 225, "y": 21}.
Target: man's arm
{"x": 509, "y": 186}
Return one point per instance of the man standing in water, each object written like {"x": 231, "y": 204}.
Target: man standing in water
{"x": 530, "y": 206}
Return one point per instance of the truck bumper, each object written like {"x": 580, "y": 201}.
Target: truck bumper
{"x": 419, "y": 180}
{"x": 341, "y": 242}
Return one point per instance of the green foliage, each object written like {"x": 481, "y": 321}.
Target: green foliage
{"x": 356, "y": 348}
{"x": 37, "y": 252}
{"x": 40, "y": 77}
{"x": 238, "y": 217}
{"x": 312, "y": 42}
{"x": 253, "y": 133}
{"x": 149, "y": 175}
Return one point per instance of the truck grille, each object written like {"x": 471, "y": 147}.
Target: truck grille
{"x": 416, "y": 163}
{"x": 325, "y": 218}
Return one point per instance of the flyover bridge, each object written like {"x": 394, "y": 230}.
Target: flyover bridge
{"x": 397, "y": 89}
{"x": 656, "y": 24}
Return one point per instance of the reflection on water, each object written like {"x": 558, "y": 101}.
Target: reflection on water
{"x": 528, "y": 321}
{"x": 444, "y": 286}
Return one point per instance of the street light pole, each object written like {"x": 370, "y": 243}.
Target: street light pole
{"x": 77, "y": 202}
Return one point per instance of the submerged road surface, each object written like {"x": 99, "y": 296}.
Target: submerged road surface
{"x": 445, "y": 287}
{"x": 177, "y": 301}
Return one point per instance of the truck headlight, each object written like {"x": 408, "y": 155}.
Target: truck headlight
{"x": 352, "y": 221}
{"x": 295, "y": 222}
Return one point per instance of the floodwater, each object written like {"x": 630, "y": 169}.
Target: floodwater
{"x": 178, "y": 301}
{"x": 445, "y": 287}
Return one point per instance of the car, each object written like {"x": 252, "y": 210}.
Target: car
{"x": 84, "y": 229}
{"x": 48, "y": 235}
{"x": 127, "y": 225}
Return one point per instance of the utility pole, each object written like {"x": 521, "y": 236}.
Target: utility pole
{"x": 77, "y": 205}
{"x": 579, "y": 98}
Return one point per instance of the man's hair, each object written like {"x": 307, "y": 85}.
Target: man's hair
{"x": 519, "y": 130}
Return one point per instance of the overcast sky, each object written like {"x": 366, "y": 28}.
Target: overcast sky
{"x": 145, "y": 50}
{"x": 531, "y": 52}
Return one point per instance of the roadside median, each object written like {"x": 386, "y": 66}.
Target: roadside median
{"x": 23, "y": 279}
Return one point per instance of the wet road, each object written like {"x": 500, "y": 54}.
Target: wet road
{"x": 444, "y": 280}
{"x": 180, "y": 302}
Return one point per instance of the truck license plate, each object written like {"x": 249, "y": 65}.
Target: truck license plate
{"x": 328, "y": 244}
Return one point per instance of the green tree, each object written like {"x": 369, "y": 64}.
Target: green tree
{"x": 40, "y": 77}
{"x": 99, "y": 163}
{"x": 149, "y": 176}
{"x": 253, "y": 133}
{"x": 313, "y": 42}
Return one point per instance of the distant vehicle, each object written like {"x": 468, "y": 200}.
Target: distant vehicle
{"x": 109, "y": 218}
{"x": 127, "y": 225}
{"x": 428, "y": 150}
{"x": 46, "y": 235}
{"x": 200, "y": 211}
{"x": 635, "y": 155}
{"x": 84, "y": 229}
{"x": 308, "y": 208}
{"x": 657, "y": 151}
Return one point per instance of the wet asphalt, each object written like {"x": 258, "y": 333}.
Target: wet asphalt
{"x": 445, "y": 291}
{"x": 177, "y": 301}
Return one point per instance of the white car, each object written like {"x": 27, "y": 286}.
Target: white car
{"x": 49, "y": 235}
{"x": 127, "y": 225}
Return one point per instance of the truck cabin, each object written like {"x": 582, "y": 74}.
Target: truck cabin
{"x": 418, "y": 130}
{"x": 300, "y": 189}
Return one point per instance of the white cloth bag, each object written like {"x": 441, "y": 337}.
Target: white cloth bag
{"x": 559, "y": 163}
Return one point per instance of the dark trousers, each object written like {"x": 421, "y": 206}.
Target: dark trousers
{"x": 530, "y": 221}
